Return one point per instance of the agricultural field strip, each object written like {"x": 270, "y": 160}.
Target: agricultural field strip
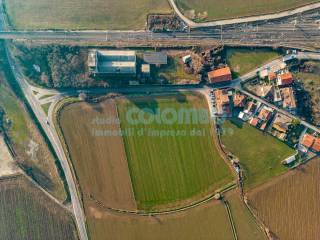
{"x": 161, "y": 102}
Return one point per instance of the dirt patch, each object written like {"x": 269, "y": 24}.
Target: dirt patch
{"x": 97, "y": 153}
{"x": 289, "y": 205}
{"x": 7, "y": 164}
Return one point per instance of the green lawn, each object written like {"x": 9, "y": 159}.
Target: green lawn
{"x": 167, "y": 169}
{"x": 260, "y": 154}
{"x": 208, "y": 10}
{"x": 46, "y": 107}
{"x": 243, "y": 61}
{"x": 82, "y": 14}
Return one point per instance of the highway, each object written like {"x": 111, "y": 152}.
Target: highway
{"x": 298, "y": 30}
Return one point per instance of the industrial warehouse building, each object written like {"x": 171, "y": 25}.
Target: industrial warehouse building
{"x": 113, "y": 62}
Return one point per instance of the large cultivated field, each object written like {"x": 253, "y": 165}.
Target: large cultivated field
{"x": 260, "y": 154}
{"x": 99, "y": 159}
{"x": 216, "y": 9}
{"x": 206, "y": 222}
{"x": 177, "y": 165}
{"x": 26, "y": 213}
{"x": 83, "y": 14}
{"x": 289, "y": 205}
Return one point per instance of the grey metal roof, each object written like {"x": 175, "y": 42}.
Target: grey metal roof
{"x": 155, "y": 57}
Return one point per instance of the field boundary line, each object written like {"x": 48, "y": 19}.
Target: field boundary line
{"x": 165, "y": 212}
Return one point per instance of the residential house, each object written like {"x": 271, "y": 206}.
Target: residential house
{"x": 285, "y": 79}
{"x": 289, "y": 100}
{"x": 222, "y": 101}
{"x": 265, "y": 113}
{"x": 222, "y": 75}
{"x": 238, "y": 100}
{"x": 254, "y": 121}
{"x": 281, "y": 123}
{"x": 308, "y": 140}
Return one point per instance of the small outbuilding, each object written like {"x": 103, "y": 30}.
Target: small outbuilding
{"x": 155, "y": 58}
{"x": 186, "y": 59}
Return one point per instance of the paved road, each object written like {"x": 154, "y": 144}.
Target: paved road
{"x": 265, "y": 17}
{"x": 300, "y": 30}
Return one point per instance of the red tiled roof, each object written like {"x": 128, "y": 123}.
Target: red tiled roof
{"x": 272, "y": 76}
{"x": 220, "y": 75}
{"x": 254, "y": 121}
{"x": 316, "y": 145}
{"x": 238, "y": 100}
{"x": 264, "y": 114}
{"x": 286, "y": 78}
{"x": 308, "y": 140}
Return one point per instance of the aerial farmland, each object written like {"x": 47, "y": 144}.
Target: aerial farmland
{"x": 27, "y": 213}
{"x": 155, "y": 167}
{"x": 288, "y": 205}
{"x": 76, "y": 15}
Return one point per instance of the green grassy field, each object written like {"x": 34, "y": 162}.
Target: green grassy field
{"x": 260, "y": 154}
{"x": 81, "y": 14}
{"x": 46, "y": 107}
{"x": 208, "y": 10}
{"x": 243, "y": 61}
{"x": 165, "y": 170}
{"x": 26, "y": 213}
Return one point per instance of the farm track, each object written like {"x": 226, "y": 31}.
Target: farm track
{"x": 230, "y": 217}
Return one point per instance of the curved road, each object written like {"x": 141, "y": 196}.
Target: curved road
{"x": 265, "y": 17}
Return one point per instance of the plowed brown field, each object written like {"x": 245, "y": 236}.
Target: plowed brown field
{"x": 99, "y": 159}
{"x": 289, "y": 205}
